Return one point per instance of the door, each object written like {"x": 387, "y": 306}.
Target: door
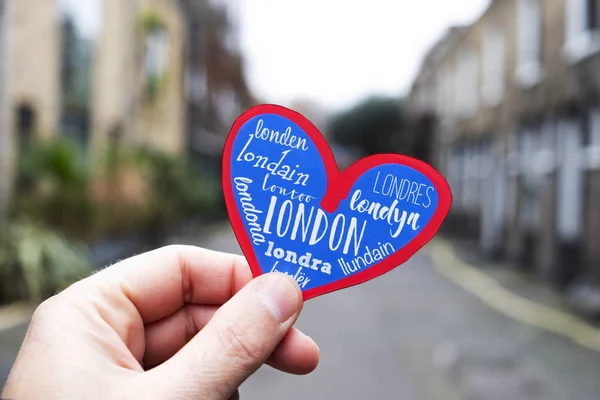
{"x": 489, "y": 198}
{"x": 570, "y": 181}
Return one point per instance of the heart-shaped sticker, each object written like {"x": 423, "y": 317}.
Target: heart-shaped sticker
{"x": 294, "y": 212}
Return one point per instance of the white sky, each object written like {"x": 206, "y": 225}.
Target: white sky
{"x": 87, "y": 15}
{"x": 336, "y": 52}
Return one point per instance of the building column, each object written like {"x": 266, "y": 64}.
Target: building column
{"x": 5, "y": 128}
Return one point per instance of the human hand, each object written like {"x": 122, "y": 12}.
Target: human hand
{"x": 176, "y": 323}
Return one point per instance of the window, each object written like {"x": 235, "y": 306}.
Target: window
{"x": 582, "y": 29}
{"x": 156, "y": 55}
{"x": 591, "y": 137}
{"x": 195, "y": 84}
{"x": 80, "y": 29}
{"x": 26, "y": 130}
{"x": 492, "y": 89}
{"x": 591, "y": 15}
{"x": 468, "y": 83}
{"x": 529, "y": 42}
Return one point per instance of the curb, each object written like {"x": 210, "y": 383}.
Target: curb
{"x": 508, "y": 303}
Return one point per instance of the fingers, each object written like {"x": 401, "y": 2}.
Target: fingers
{"x": 166, "y": 337}
{"x": 239, "y": 338}
{"x": 296, "y": 354}
{"x": 161, "y": 281}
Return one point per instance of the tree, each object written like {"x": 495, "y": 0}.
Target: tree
{"x": 376, "y": 125}
{"x": 422, "y": 131}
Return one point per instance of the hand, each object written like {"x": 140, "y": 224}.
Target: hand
{"x": 175, "y": 323}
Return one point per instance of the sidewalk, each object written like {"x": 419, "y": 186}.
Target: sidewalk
{"x": 522, "y": 283}
{"x": 513, "y": 293}
{"x": 14, "y": 320}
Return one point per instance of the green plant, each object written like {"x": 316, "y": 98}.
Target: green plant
{"x": 57, "y": 162}
{"x": 178, "y": 189}
{"x": 153, "y": 86}
{"x": 151, "y": 21}
{"x": 61, "y": 187}
{"x": 35, "y": 262}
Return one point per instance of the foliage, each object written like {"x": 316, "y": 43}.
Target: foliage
{"x": 178, "y": 190}
{"x": 60, "y": 196}
{"x": 57, "y": 162}
{"x": 422, "y": 131}
{"x": 133, "y": 191}
{"x": 376, "y": 125}
{"x": 152, "y": 87}
{"x": 35, "y": 263}
{"x": 151, "y": 21}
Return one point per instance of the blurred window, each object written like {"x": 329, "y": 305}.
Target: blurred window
{"x": 493, "y": 65}
{"x": 582, "y": 30}
{"x": 529, "y": 42}
{"x": 157, "y": 43}
{"x": 80, "y": 28}
{"x": 468, "y": 70}
{"x": 591, "y": 11}
{"x": 195, "y": 84}
{"x": 595, "y": 126}
{"x": 26, "y": 126}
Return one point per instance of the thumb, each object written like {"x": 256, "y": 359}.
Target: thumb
{"x": 237, "y": 341}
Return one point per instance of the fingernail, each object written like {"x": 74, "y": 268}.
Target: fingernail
{"x": 280, "y": 294}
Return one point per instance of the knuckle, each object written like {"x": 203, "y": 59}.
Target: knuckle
{"x": 44, "y": 308}
{"x": 44, "y": 313}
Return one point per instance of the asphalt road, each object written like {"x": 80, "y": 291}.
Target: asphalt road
{"x": 415, "y": 335}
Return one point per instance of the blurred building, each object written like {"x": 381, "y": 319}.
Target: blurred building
{"x": 161, "y": 73}
{"x": 216, "y": 90}
{"x": 515, "y": 99}
{"x": 320, "y": 118}
{"x": 5, "y": 154}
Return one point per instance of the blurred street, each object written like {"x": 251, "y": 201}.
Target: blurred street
{"x": 112, "y": 133}
{"x": 413, "y": 334}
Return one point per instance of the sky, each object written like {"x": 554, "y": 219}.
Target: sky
{"x": 87, "y": 15}
{"x": 332, "y": 52}
{"x": 337, "y": 52}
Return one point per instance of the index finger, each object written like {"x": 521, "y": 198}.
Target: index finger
{"x": 161, "y": 281}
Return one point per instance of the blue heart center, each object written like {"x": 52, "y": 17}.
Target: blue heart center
{"x": 279, "y": 179}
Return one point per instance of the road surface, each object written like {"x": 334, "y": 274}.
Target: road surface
{"x": 415, "y": 335}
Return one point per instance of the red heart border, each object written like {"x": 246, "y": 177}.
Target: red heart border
{"x": 344, "y": 181}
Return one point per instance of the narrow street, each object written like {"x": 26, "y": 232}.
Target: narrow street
{"x": 414, "y": 335}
